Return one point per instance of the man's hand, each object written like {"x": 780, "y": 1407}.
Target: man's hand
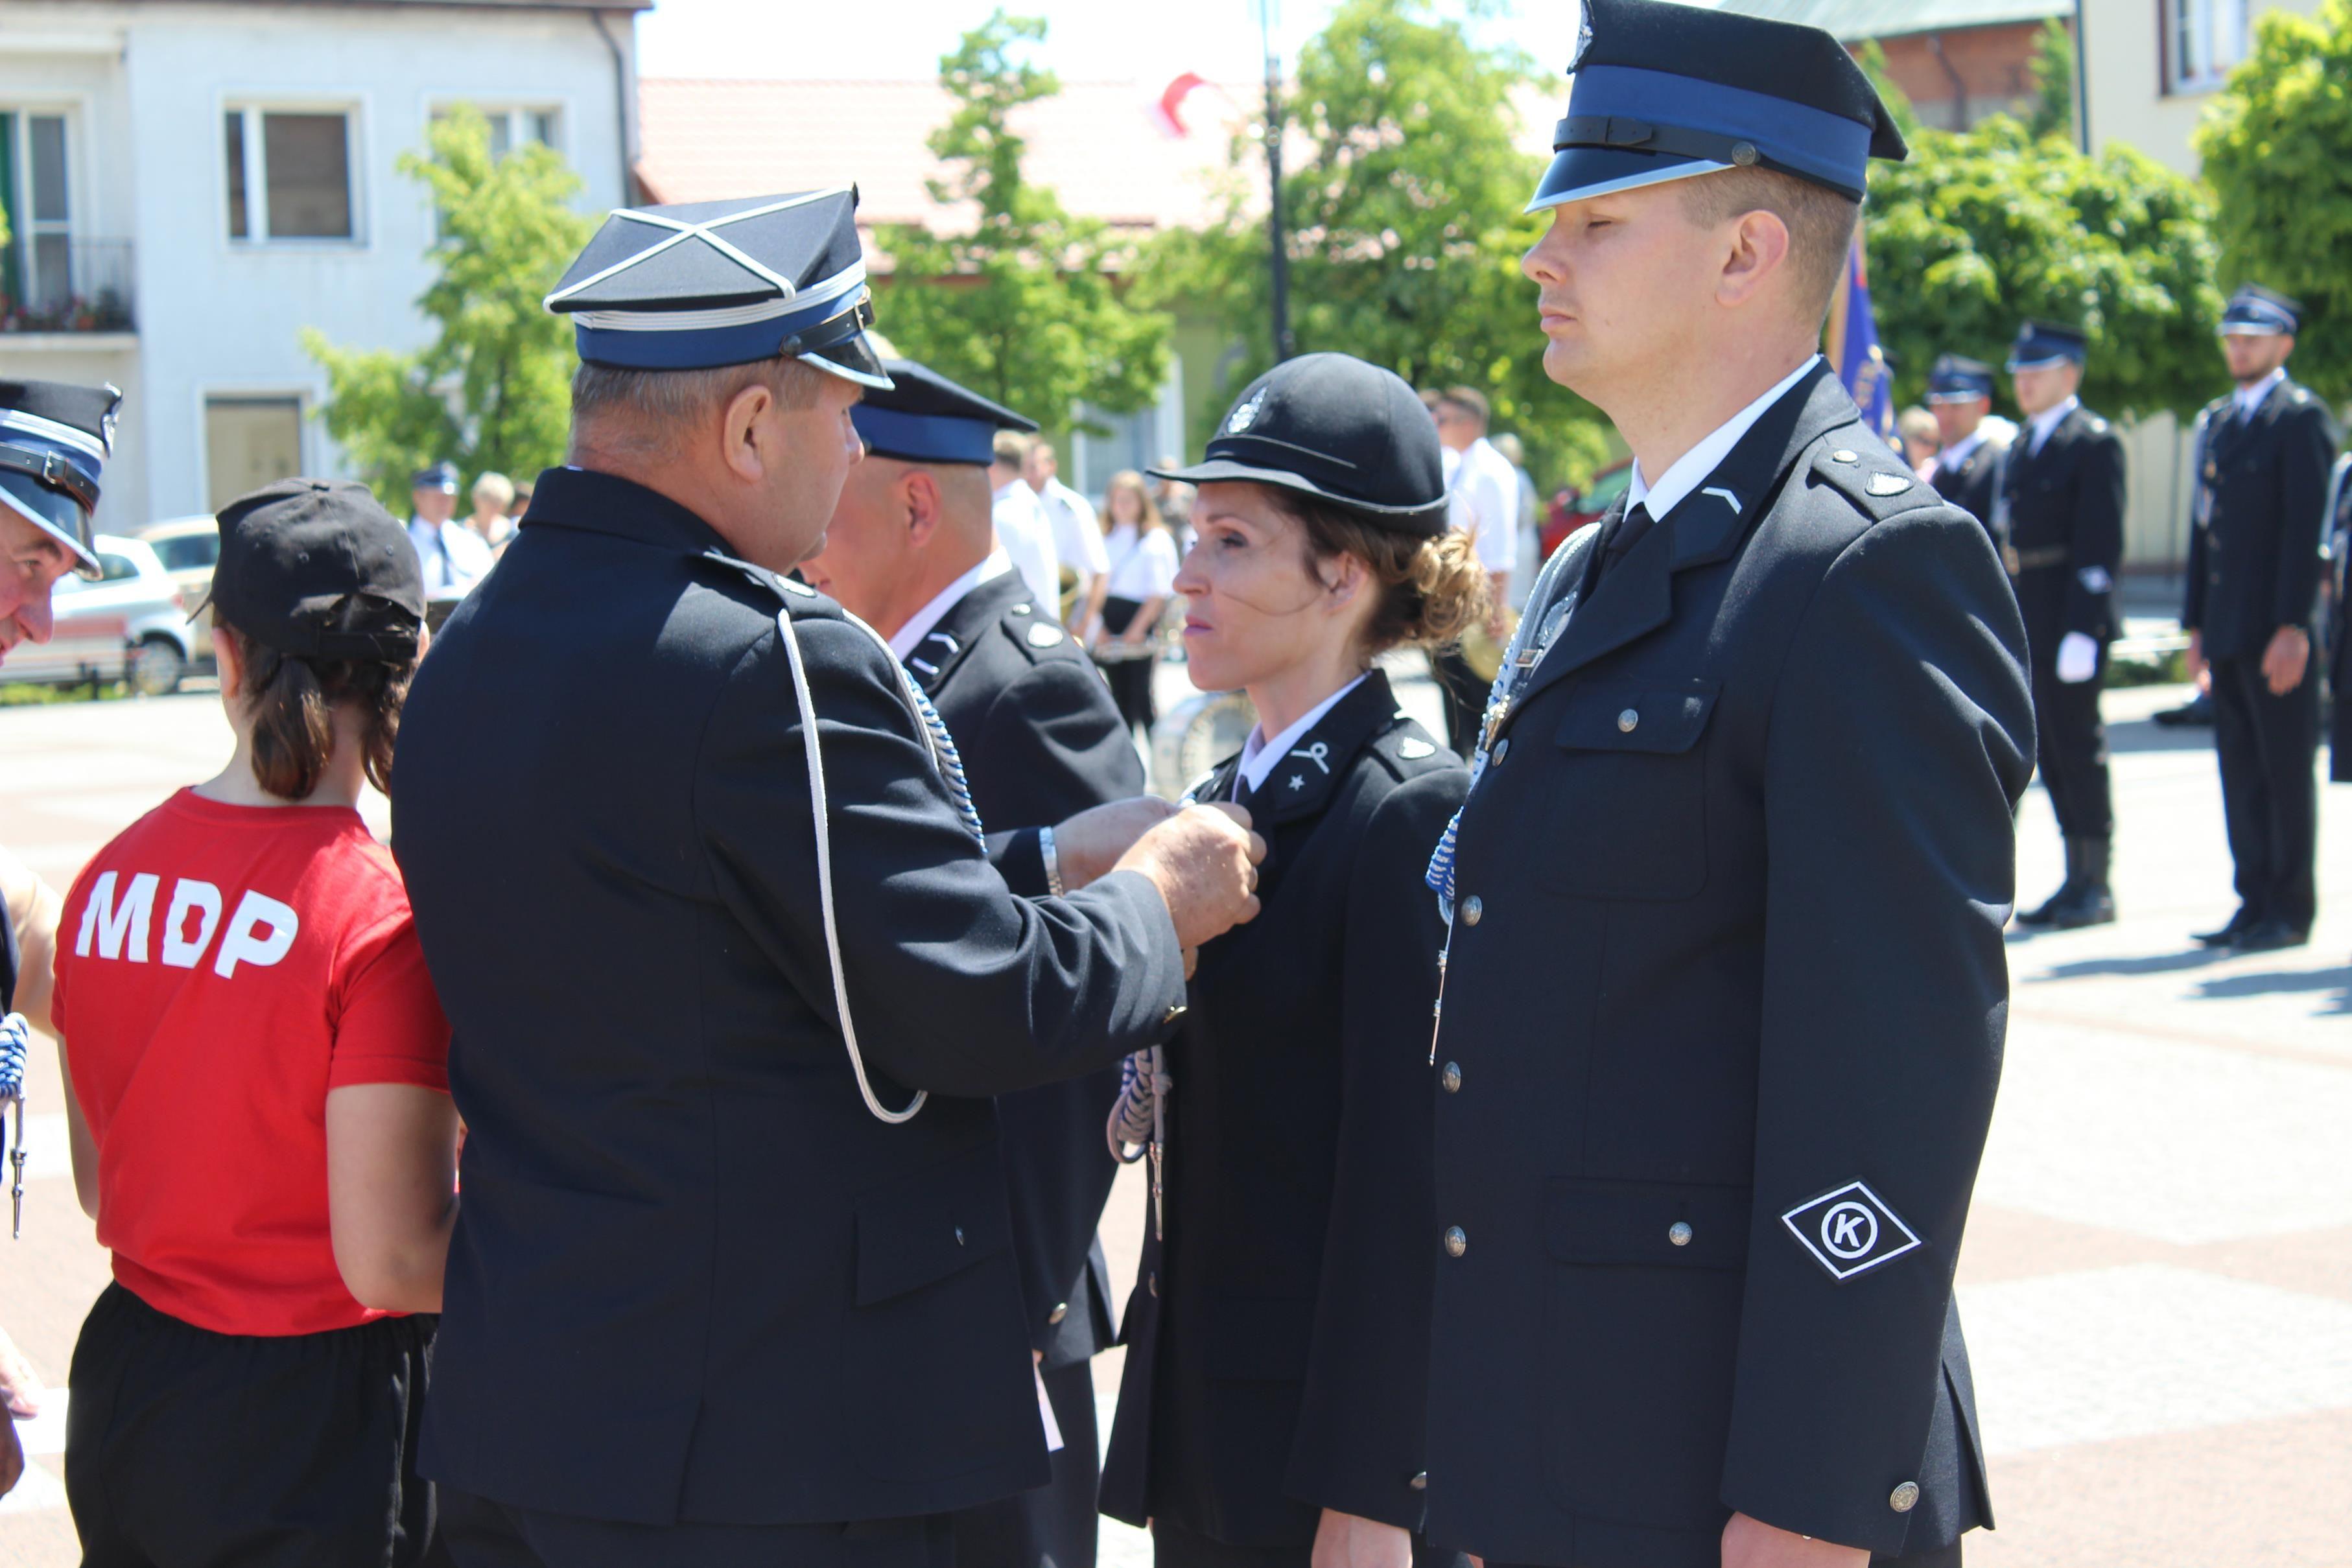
{"x": 2193, "y": 661}
{"x": 1089, "y": 844}
{"x": 2285, "y": 660}
{"x": 1752, "y": 1543}
{"x": 1345, "y": 1541}
{"x": 1204, "y": 860}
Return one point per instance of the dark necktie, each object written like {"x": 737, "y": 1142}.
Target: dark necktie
{"x": 1630, "y": 529}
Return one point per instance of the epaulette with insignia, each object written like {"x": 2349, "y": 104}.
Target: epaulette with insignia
{"x": 1033, "y": 634}
{"x": 1877, "y": 482}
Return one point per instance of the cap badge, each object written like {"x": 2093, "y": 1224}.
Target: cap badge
{"x": 1247, "y": 414}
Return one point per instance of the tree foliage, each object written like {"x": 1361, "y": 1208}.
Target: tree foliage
{"x": 491, "y": 391}
{"x": 1982, "y": 229}
{"x": 2052, "y": 69}
{"x": 2276, "y": 145}
{"x": 1026, "y": 308}
{"x": 1404, "y": 221}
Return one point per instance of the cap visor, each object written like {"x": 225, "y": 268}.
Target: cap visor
{"x": 853, "y": 360}
{"x": 2251, "y": 329}
{"x": 1428, "y": 517}
{"x": 1958, "y": 397}
{"x": 1580, "y": 173}
{"x": 2047, "y": 362}
{"x": 56, "y": 514}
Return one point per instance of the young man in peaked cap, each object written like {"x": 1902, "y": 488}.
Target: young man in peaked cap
{"x": 2059, "y": 519}
{"x": 731, "y": 981}
{"x": 911, "y": 552}
{"x": 1726, "y": 985}
{"x": 2262, "y": 458}
{"x": 1967, "y": 462}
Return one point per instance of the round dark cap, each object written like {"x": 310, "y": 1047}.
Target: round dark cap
{"x": 318, "y": 569}
{"x": 1337, "y": 428}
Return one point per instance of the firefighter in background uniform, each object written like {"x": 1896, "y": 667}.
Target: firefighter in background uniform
{"x": 2264, "y": 454}
{"x": 1967, "y": 465}
{"x": 2061, "y": 528}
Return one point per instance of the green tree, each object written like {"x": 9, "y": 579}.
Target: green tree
{"x": 491, "y": 391}
{"x": 1026, "y": 307}
{"x": 1982, "y": 229}
{"x": 1405, "y": 226}
{"x": 2276, "y": 145}
{"x": 2053, "y": 71}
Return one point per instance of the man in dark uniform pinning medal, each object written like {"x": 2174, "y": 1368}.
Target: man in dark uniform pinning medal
{"x": 731, "y": 981}
{"x": 911, "y": 550}
{"x": 2061, "y": 526}
{"x": 2263, "y": 456}
{"x": 1967, "y": 465}
{"x": 1725, "y": 986}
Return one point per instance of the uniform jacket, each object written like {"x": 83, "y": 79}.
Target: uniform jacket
{"x": 2254, "y": 558}
{"x": 1041, "y": 741}
{"x": 693, "y": 1278}
{"x": 1970, "y": 485}
{"x": 1727, "y": 940}
{"x": 1278, "y": 1337}
{"x": 2065, "y": 510}
{"x": 2339, "y": 641}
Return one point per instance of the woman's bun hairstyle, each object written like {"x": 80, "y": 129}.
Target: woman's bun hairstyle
{"x": 1432, "y": 589}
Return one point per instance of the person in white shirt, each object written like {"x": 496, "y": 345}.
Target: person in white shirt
{"x": 1482, "y": 492}
{"x": 1078, "y": 535}
{"x": 1138, "y": 577}
{"x": 453, "y": 556}
{"x": 1023, "y": 532}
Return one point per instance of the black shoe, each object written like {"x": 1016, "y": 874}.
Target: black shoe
{"x": 2091, "y": 905}
{"x": 2239, "y": 923}
{"x": 2196, "y": 710}
{"x": 2048, "y": 909}
{"x": 2269, "y": 936}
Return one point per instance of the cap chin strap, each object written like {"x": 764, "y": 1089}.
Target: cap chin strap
{"x": 52, "y": 469}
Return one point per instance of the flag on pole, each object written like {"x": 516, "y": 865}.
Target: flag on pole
{"x": 1851, "y": 347}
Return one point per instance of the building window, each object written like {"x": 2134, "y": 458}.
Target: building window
{"x": 2203, "y": 40}
{"x": 249, "y": 442}
{"x": 512, "y": 126}
{"x": 290, "y": 173}
{"x": 36, "y": 266}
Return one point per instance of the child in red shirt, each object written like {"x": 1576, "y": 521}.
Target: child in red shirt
{"x": 257, "y": 1093}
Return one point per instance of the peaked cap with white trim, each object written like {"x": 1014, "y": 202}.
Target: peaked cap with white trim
{"x": 705, "y": 284}
{"x": 1661, "y": 91}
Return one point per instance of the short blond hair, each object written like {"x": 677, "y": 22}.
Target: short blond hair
{"x": 1820, "y": 222}
{"x": 1011, "y": 447}
{"x": 497, "y": 487}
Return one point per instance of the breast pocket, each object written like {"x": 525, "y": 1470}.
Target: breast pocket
{"x": 1628, "y": 818}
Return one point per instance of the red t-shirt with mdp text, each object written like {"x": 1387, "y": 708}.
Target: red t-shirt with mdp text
{"x": 219, "y": 969}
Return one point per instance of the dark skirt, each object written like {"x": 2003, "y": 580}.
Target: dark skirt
{"x": 1130, "y": 679}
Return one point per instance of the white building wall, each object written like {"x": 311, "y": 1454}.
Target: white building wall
{"x": 222, "y": 316}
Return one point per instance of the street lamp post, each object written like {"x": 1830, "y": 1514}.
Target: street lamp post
{"x": 1283, "y": 346}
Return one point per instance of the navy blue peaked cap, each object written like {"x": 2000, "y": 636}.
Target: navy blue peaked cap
{"x": 1955, "y": 378}
{"x": 2257, "y": 311}
{"x": 1337, "y": 428}
{"x": 1661, "y": 91}
{"x": 2043, "y": 343}
{"x": 55, "y": 439}
{"x": 923, "y": 417}
{"x": 706, "y": 284}
{"x": 441, "y": 476}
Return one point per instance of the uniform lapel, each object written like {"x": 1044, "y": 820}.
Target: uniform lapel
{"x": 1637, "y": 597}
{"x": 948, "y": 643}
{"x": 1302, "y": 781}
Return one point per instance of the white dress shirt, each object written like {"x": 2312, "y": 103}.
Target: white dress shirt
{"x": 907, "y": 638}
{"x": 452, "y": 556}
{"x": 1692, "y": 467}
{"x": 1077, "y": 532}
{"x": 2048, "y": 419}
{"x": 1482, "y": 501}
{"x": 1140, "y": 569}
{"x": 1026, "y": 534}
{"x": 1260, "y": 755}
{"x": 2251, "y": 397}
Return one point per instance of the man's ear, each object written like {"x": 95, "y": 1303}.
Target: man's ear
{"x": 918, "y": 491}
{"x": 742, "y": 445}
{"x": 1758, "y": 252}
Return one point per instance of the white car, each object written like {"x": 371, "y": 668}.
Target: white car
{"x": 130, "y": 624}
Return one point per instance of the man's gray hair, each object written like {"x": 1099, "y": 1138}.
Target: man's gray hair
{"x": 649, "y": 409}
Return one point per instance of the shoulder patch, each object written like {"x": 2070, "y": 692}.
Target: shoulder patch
{"x": 1044, "y": 634}
{"x": 1876, "y": 485}
{"x": 1889, "y": 483}
{"x": 1414, "y": 749}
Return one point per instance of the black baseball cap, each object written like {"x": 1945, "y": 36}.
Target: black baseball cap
{"x": 1337, "y": 428}
{"x": 318, "y": 569}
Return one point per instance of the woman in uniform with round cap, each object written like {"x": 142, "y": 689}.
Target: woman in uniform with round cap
{"x": 1271, "y": 1411}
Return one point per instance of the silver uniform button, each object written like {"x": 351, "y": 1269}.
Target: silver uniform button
{"x": 959, "y": 1230}
{"x": 1842, "y": 456}
{"x": 1904, "y": 1498}
{"x": 1420, "y": 1482}
{"x": 1472, "y": 911}
{"x": 1451, "y": 1078}
{"x": 1058, "y": 1314}
{"x": 1456, "y": 1243}
{"x": 1627, "y": 720}
{"x": 1679, "y": 1233}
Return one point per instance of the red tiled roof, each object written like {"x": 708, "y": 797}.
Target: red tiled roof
{"x": 1099, "y": 145}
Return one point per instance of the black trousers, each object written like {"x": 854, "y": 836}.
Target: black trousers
{"x": 1175, "y": 1547}
{"x": 186, "y": 1448}
{"x": 2270, "y": 796}
{"x": 1130, "y": 679}
{"x": 2072, "y": 744}
{"x": 1465, "y": 698}
{"x": 1055, "y": 1525}
{"x": 1946, "y": 1557}
{"x": 486, "y": 1534}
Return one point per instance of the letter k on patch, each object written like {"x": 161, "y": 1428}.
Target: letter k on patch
{"x": 1850, "y": 1230}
